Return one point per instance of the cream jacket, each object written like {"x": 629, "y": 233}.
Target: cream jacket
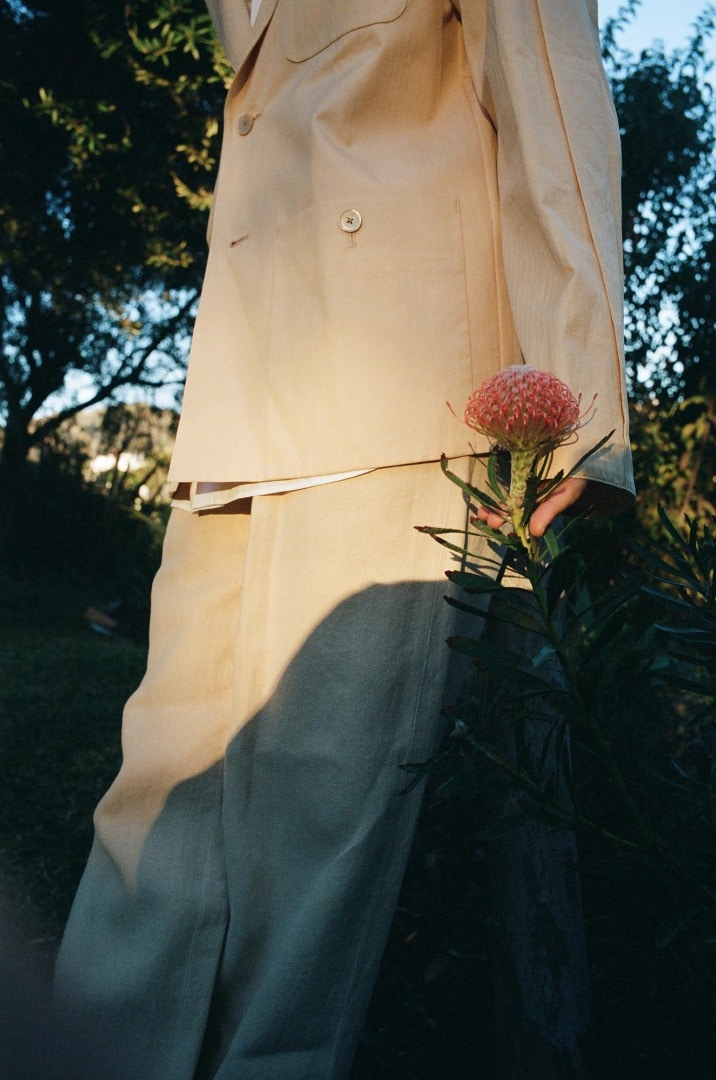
{"x": 412, "y": 194}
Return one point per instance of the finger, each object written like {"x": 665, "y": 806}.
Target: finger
{"x": 564, "y": 496}
{"x": 494, "y": 519}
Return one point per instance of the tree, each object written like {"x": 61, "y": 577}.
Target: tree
{"x": 106, "y": 167}
{"x": 665, "y": 108}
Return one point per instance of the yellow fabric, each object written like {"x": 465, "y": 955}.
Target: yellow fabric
{"x": 235, "y": 600}
{"x": 482, "y": 156}
{"x": 248, "y": 857}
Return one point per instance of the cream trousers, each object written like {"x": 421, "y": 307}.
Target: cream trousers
{"x": 248, "y": 857}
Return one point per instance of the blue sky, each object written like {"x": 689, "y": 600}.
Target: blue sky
{"x": 667, "y": 20}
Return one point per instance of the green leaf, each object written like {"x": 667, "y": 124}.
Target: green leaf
{"x": 515, "y": 614}
{"x": 473, "y": 582}
{"x": 503, "y": 660}
{"x": 495, "y": 486}
{"x": 473, "y": 492}
{"x": 689, "y": 633}
{"x": 543, "y": 654}
{"x": 589, "y": 453}
{"x": 671, "y": 529}
{"x": 553, "y": 544}
{"x": 469, "y": 609}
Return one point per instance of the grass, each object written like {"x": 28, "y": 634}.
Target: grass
{"x": 62, "y": 689}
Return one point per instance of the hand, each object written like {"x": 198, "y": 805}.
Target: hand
{"x": 572, "y": 491}
{"x": 575, "y": 493}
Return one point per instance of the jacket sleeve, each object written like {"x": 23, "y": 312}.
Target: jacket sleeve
{"x": 537, "y": 70}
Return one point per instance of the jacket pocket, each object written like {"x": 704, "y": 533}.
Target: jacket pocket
{"x": 310, "y": 27}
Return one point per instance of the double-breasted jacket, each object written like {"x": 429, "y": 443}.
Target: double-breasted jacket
{"x": 412, "y": 194}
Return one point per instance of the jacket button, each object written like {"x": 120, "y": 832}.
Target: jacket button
{"x": 245, "y": 123}
{"x": 350, "y": 221}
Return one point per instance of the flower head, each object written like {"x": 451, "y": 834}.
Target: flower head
{"x": 523, "y": 409}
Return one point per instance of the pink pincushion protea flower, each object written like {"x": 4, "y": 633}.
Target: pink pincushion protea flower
{"x": 523, "y": 409}
{"x": 528, "y": 413}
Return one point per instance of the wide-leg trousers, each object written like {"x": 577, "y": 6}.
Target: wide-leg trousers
{"x": 248, "y": 857}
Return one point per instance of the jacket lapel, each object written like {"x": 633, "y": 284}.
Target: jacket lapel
{"x": 263, "y": 18}
{"x": 233, "y": 26}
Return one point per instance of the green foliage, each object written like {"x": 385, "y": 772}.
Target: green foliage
{"x": 62, "y": 526}
{"x": 109, "y": 123}
{"x": 122, "y": 451}
{"x": 607, "y": 684}
{"x": 664, "y": 101}
{"x": 103, "y": 210}
{"x": 675, "y": 457}
{"x": 665, "y": 109}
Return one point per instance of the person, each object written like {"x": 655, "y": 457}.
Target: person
{"x": 412, "y": 194}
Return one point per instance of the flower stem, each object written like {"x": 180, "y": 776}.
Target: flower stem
{"x": 521, "y": 463}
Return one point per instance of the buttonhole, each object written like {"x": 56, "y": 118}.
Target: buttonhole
{"x": 238, "y": 240}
